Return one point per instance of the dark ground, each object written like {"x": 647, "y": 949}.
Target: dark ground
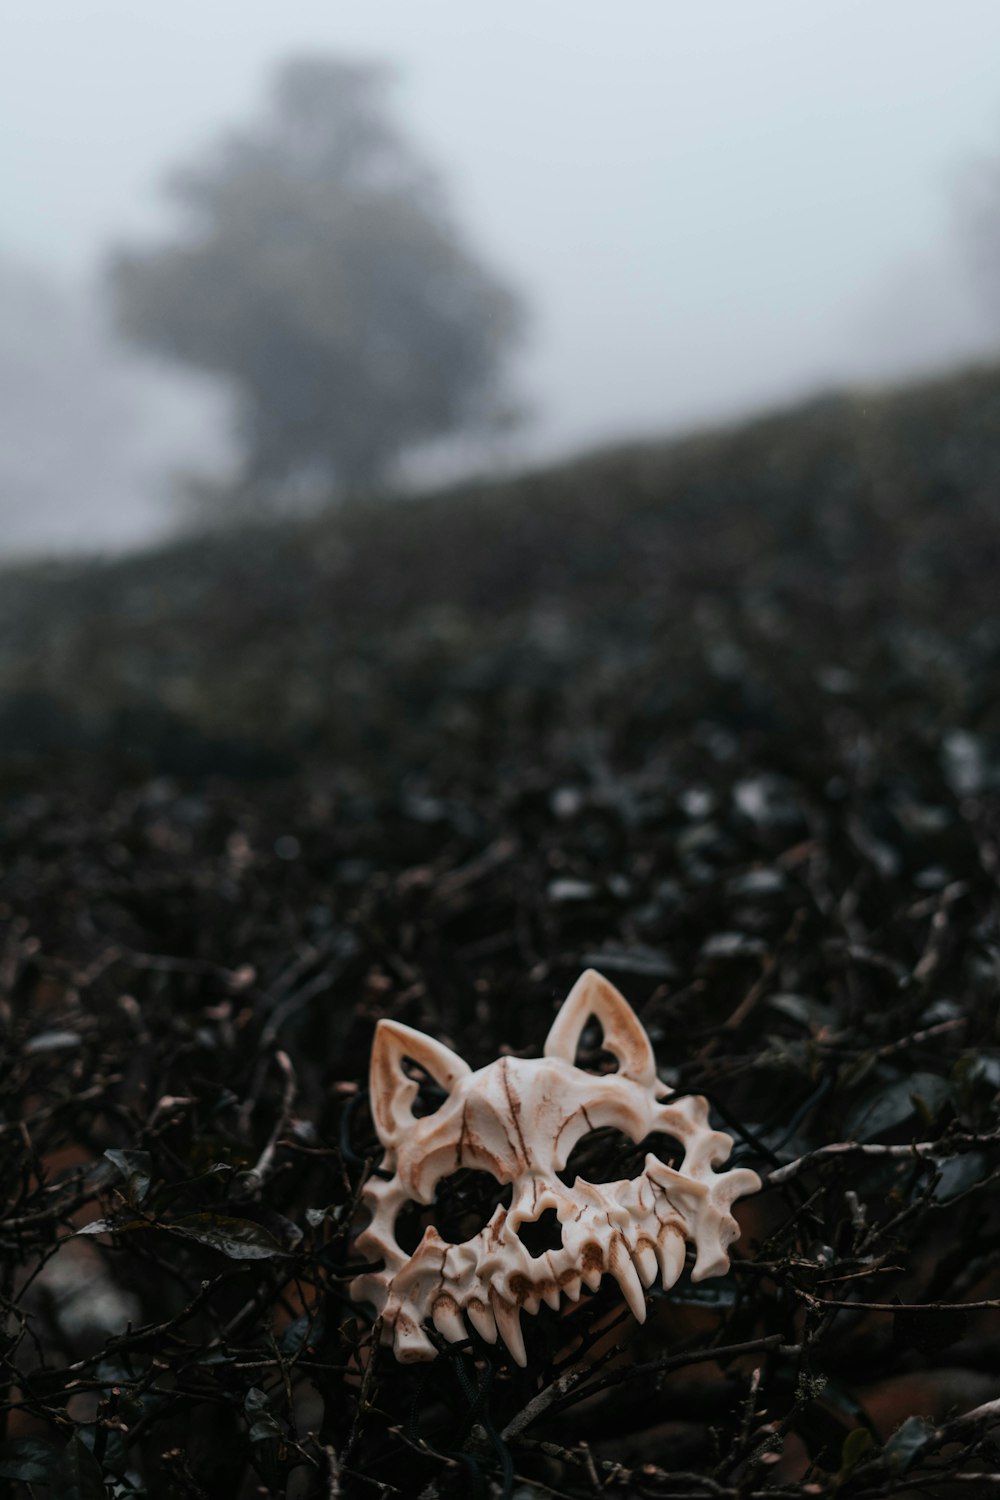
{"x": 720, "y": 719}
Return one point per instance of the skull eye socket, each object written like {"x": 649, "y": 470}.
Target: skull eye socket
{"x": 464, "y": 1203}
{"x": 609, "y": 1155}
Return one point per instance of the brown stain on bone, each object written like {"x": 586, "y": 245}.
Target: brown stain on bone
{"x": 514, "y": 1105}
{"x": 462, "y": 1134}
{"x": 592, "y": 1257}
{"x": 520, "y": 1289}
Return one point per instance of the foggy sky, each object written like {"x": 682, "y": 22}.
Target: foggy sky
{"x": 708, "y": 207}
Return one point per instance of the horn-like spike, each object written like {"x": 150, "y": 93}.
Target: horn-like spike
{"x": 624, "y": 1033}
{"x": 392, "y": 1091}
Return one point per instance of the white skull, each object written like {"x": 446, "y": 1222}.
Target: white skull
{"x": 519, "y": 1119}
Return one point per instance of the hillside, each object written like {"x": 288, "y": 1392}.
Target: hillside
{"x": 631, "y": 594}
{"x": 718, "y": 717}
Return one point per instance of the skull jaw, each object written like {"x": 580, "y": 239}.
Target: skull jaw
{"x": 490, "y": 1280}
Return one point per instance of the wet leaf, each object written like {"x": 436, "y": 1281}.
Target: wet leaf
{"x": 906, "y": 1443}
{"x": 32, "y": 1461}
{"x": 887, "y": 1105}
{"x": 240, "y": 1239}
{"x": 264, "y": 1426}
{"x": 135, "y": 1167}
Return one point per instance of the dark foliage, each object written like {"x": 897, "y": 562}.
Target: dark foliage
{"x": 720, "y": 720}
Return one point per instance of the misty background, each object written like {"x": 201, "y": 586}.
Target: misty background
{"x": 705, "y": 212}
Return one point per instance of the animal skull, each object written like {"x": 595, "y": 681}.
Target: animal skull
{"x": 519, "y": 1119}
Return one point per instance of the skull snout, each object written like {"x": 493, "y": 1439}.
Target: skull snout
{"x": 532, "y": 1198}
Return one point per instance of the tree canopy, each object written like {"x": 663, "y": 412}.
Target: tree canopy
{"x": 318, "y": 269}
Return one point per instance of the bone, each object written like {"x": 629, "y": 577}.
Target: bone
{"x": 670, "y": 1254}
{"x": 509, "y": 1325}
{"x": 645, "y": 1260}
{"x": 448, "y": 1320}
{"x": 520, "y": 1118}
{"x": 412, "y": 1346}
{"x": 591, "y": 1276}
{"x": 627, "y": 1277}
{"x": 482, "y": 1321}
{"x": 550, "y": 1294}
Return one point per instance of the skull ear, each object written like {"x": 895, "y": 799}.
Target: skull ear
{"x": 624, "y": 1034}
{"x": 392, "y": 1090}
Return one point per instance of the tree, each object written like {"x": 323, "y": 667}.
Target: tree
{"x": 320, "y": 272}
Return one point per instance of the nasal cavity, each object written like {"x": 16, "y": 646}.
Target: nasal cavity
{"x": 541, "y": 1234}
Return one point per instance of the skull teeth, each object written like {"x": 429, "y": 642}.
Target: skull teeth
{"x": 448, "y": 1321}
{"x": 645, "y": 1260}
{"x": 508, "y": 1320}
{"x": 670, "y": 1254}
{"x": 633, "y": 1270}
{"x": 592, "y": 1277}
{"x": 627, "y": 1278}
{"x": 483, "y": 1321}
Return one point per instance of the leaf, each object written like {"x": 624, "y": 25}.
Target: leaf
{"x": 886, "y": 1105}
{"x": 830, "y": 1413}
{"x": 136, "y": 1169}
{"x": 97, "y": 1226}
{"x": 764, "y": 881}
{"x": 53, "y": 1041}
{"x": 305, "y": 1332}
{"x": 906, "y": 1442}
{"x": 812, "y": 1014}
{"x": 86, "y": 1474}
{"x": 32, "y": 1461}
{"x": 636, "y": 959}
{"x": 855, "y": 1445}
{"x": 567, "y": 890}
{"x": 264, "y": 1426}
{"x": 240, "y": 1239}
{"x": 959, "y": 1173}
{"x": 117, "y": 1224}
{"x": 726, "y": 945}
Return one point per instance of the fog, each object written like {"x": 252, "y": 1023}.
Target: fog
{"x": 707, "y": 209}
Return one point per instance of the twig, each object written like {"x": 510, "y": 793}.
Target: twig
{"x": 942, "y": 1148}
{"x": 661, "y": 1366}
{"x": 259, "y": 1173}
